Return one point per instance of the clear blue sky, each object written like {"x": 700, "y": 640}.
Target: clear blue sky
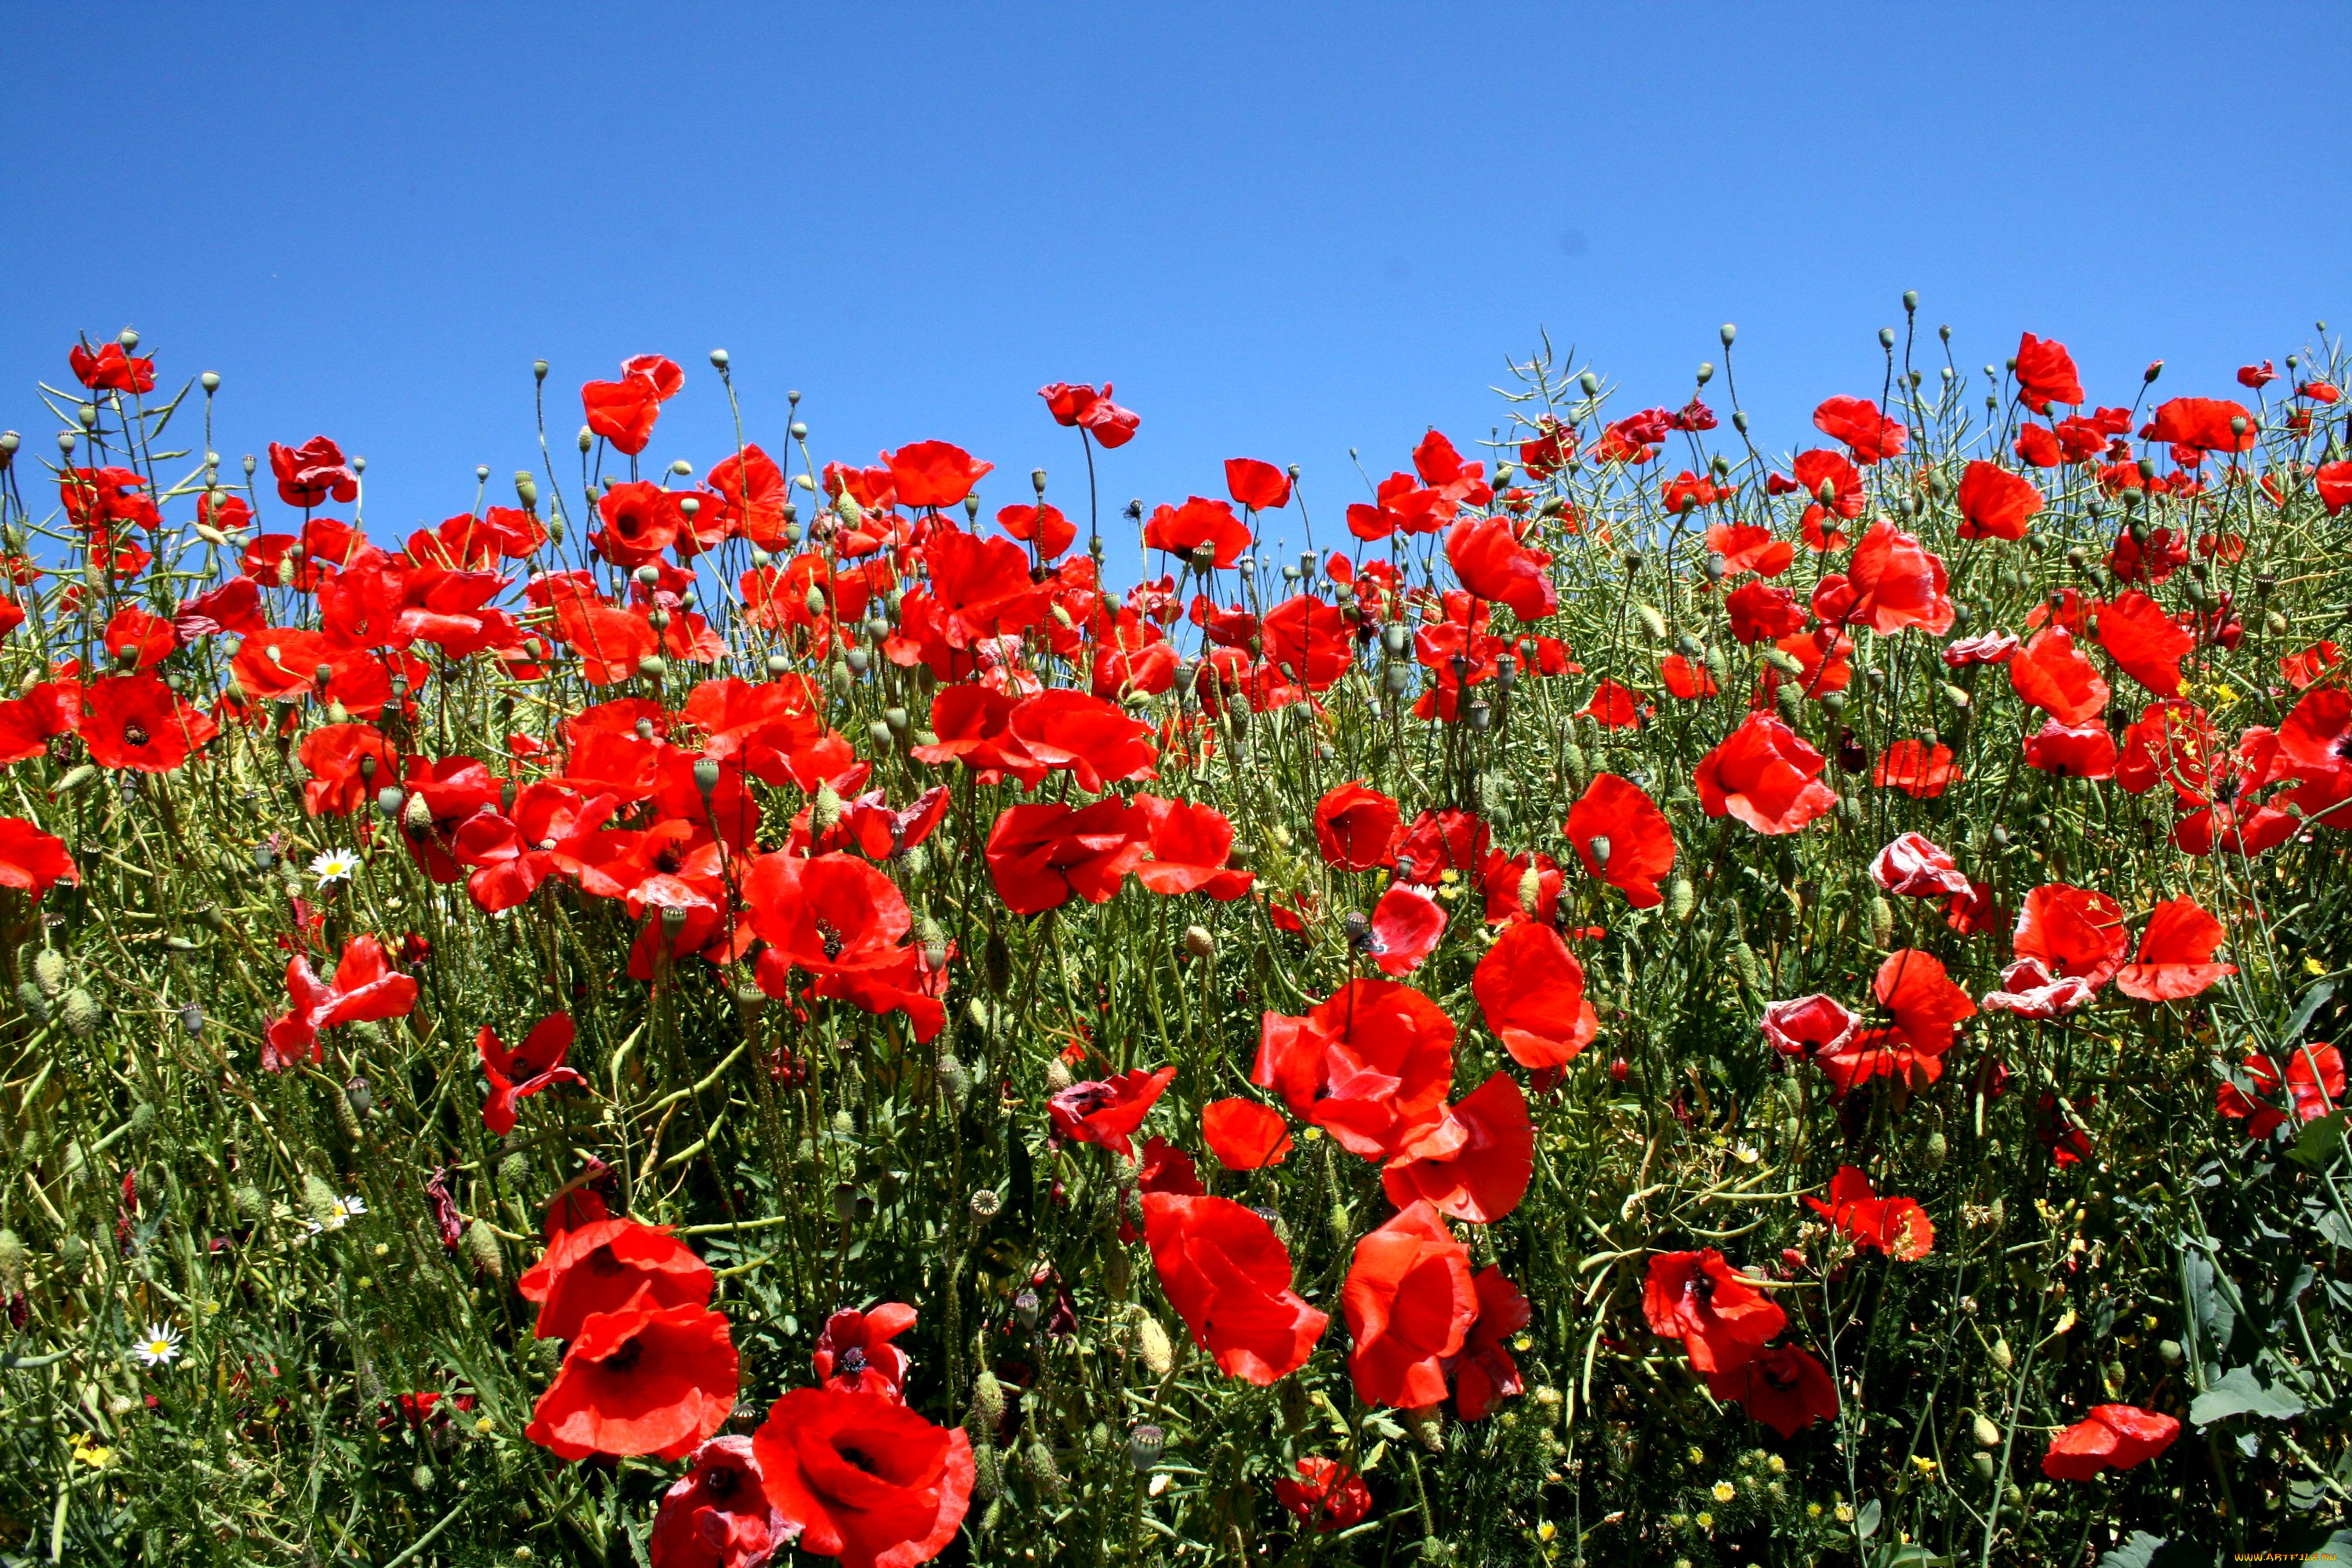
{"x": 1281, "y": 230}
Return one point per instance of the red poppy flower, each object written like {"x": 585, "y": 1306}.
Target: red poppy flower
{"x": 347, "y": 764}
{"x": 1228, "y": 1276}
{"x": 1306, "y": 640}
{"x": 1986, "y": 647}
{"x": 2204, "y": 423}
{"x": 1357, "y": 827}
{"x": 113, "y": 368}
{"x": 639, "y": 1381}
{"x": 1486, "y": 1374}
{"x": 1406, "y": 927}
{"x": 138, "y": 641}
{"x": 1106, "y": 1113}
{"x": 1199, "y": 522}
{"x": 519, "y": 1074}
{"x": 1899, "y": 1227}
{"x": 312, "y": 474}
{"x": 1718, "y": 1314}
{"x": 1080, "y": 406}
{"x": 1410, "y": 1301}
{"x": 623, "y": 412}
{"x": 2334, "y": 483}
{"x": 1094, "y": 738}
{"x": 1622, "y": 839}
{"x": 2113, "y": 1437}
{"x": 719, "y": 1514}
{"x": 1530, "y": 993}
{"x": 1439, "y": 842}
{"x": 1749, "y": 547}
{"x": 2313, "y": 1080}
{"x": 1505, "y": 880}
{"x": 2046, "y": 375}
{"x": 2144, "y": 641}
{"x": 1615, "y": 706}
{"x": 973, "y": 726}
{"x": 365, "y": 989}
{"x": 605, "y": 1266}
{"x": 137, "y": 722}
{"x": 2049, "y": 673}
{"x": 1042, "y": 854}
{"x": 1784, "y": 1387}
{"x": 1995, "y": 503}
{"x": 2076, "y": 752}
{"x": 1857, "y": 422}
{"x": 641, "y": 520}
{"x": 2072, "y": 930}
{"x": 934, "y": 474}
{"x": 1475, "y": 1162}
{"x": 1765, "y": 775}
{"x": 1486, "y": 555}
{"x": 1892, "y": 581}
{"x": 1761, "y": 612}
{"x": 1260, "y": 487}
{"x": 1244, "y": 1135}
{"x": 1042, "y": 525}
{"x": 2316, "y": 736}
{"x": 1927, "y": 1007}
{"x": 1917, "y": 768}
{"x": 1808, "y": 1026}
{"x": 2030, "y": 991}
{"x": 2176, "y": 955}
{"x": 1686, "y": 679}
{"x": 865, "y": 1479}
{"x": 32, "y": 861}
{"x": 1914, "y": 866}
{"x": 854, "y": 1354}
{"x": 1326, "y": 1494}
{"x": 1189, "y": 842}
{"x": 1370, "y": 1064}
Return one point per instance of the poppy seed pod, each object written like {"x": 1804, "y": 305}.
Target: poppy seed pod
{"x": 1590, "y": 384}
{"x": 985, "y": 1205}
{"x": 1706, "y": 371}
{"x": 1145, "y": 1444}
{"x": 1886, "y": 337}
{"x": 705, "y": 777}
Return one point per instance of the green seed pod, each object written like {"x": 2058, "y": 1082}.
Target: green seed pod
{"x": 1652, "y": 621}
{"x": 49, "y": 972}
{"x": 78, "y": 1011}
{"x": 1152, "y": 1345}
{"x": 514, "y": 1172}
{"x": 14, "y": 1260}
{"x": 31, "y": 998}
{"x": 1682, "y": 900}
{"x": 1716, "y": 670}
{"x": 1982, "y": 1464}
{"x": 1987, "y": 1435}
{"x": 482, "y": 1250}
{"x": 1882, "y": 923}
{"x": 1118, "y": 1273}
{"x": 318, "y": 1198}
{"x": 1044, "y": 1474}
{"x": 955, "y": 1079}
{"x": 2171, "y": 1352}
{"x": 1341, "y": 1223}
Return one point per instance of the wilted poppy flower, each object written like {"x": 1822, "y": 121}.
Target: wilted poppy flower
{"x": 1765, "y": 775}
{"x": 605, "y": 1264}
{"x": 312, "y": 474}
{"x": 2144, "y": 641}
{"x": 1370, "y": 1064}
{"x": 2113, "y": 1437}
{"x": 1917, "y": 867}
{"x": 2176, "y": 955}
{"x": 2030, "y": 991}
{"x": 1039, "y": 856}
{"x": 2313, "y": 1080}
{"x": 1357, "y": 827}
{"x": 365, "y": 989}
{"x": 642, "y": 1380}
{"x": 32, "y": 861}
{"x": 1995, "y": 503}
{"x": 1228, "y": 1276}
{"x": 1784, "y": 1387}
{"x": 1326, "y": 1494}
{"x": 2075, "y": 752}
{"x": 1259, "y": 486}
{"x": 1857, "y": 422}
{"x": 1410, "y": 1301}
{"x": 1243, "y": 1134}
{"x": 139, "y": 722}
{"x": 854, "y": 1354}
{"x": 1488, "y": 557}
{"x": 517, "y": 1074}
{"x": 1988, "y": 647}
{"x": 1406, "y": 927}
{"x": 1622, "y": 837}
{"x": 934, "y": 473}
{"x": 1899, "y": 1227}
{"x": 1475, "y": 1162}
{"x": 719, "y": 1514}
{"x": 1718, "y": 1314}
{"x": 1106, "y": 1113}
{"x": 1080, "y": 406}
{"x": 1917, "y": 768}
{"x": 2072, "y": 930}
{"x": 865, "y": 1479}
{"x": 2051, "y": 674}
{"x": 1530, "y": 993}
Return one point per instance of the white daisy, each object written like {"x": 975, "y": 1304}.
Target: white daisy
{"x": 334, "y": 866}
{"x": 158, "y": 1346}
{"x": 345, "y": 1210}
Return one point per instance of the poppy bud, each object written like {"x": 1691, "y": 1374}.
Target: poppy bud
{"x": 824, "y": 811}
{"x": 587, "y": 438}
{"x": 779, "y": 666}
{"x": 1743, "y": 963}
{"x": 2003, "y": 1356}
{"x": 50, "y": 971}
{"x": 14, "y": 1260}
{"x": 996, "y": 962}
{"x": 1652, "y": 621}
{"x": 1683, "y": 900}
{"x": 653, "y": 666}
{"x": 2153, "y": 371}
{"x": 1882, "y": 923}
{"x": 482, "y": 1250}
{"x": 1427, "y": 1425}
{"x": 1057, "y": 1076}
{"x": 347, "y": 1115}
{"x": 78, "y": 1011}
{"x": 1152, "y": 1345}
{"x": 1199, "y": 942}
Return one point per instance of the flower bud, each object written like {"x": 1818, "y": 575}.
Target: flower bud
{"x": 79, "y": 1012}
{"x": 1199, "y": 942}
{"x": 50, "y": 971}
{"x": 482, "y": 1250}
{"x": 1152, "y": 1345}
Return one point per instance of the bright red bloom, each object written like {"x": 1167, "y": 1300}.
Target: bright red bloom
{"x": 1718, "y": 1314}
{"x": 1486, "y": 555}
{"x": 2051, "y": 674}
{"x": 1685, "y": 679}
{"x": 2144, "y": 641}
{"x": 1243, "y": 1134}
{"x": 854, "y": 1354}
{"x": 1357, "y": 827}
{"x": 1475, "y": 1162}
{"x": 605, "y": 1266}
{"x": 1328, "y": 1495}
{"x": 1918, "y": 769}
{"x": 1530, "y": 993}
{"x": 1228, "y": 1276}
{"x": 623, "y": 412}
{"x": 1485, "y": 1373}
{"x": 1259, "y": 486}
{"x": 111, "y": 369}
{"x": 1306, "y": 641}
{"x": 865, "y": 1479}
{"x": 519, "y": 1074}
{"x": 1616, "y": 706}
{"x": 934, "y": 474}
{"x": 639, "y": 1381}
{"x": 2072, "y": 930}
{"x": 1080, "y": 406}
{"x": 719, "y": 1515}
{"x": 641, "y": 520}
{"x": 1094, "y": 739}
{"x": 1808, "y": 1026}
{"x": 312, "y": 474}
{"x": 1039, "y": 856}
{"x": 137, "y": 722}
{"x": 2316, "y": 736}
{"x": 137, "y": 639}
{"x": 2313, "y": 1080}
{"x": 1750, "y": 547}
{"x": 1857, "y": 422}
{"x": 1042, "y": 525}
{"x": 1995, "y": 503}
{"x": 1784, "y": 1387}
{"x": 1761, "y": 612}
{"x": 1899, "y": 1227}
{"x": 845, "y": 924}
{"x": 1441, "y": 841}
{"x": 1765, "y": 775}
{"x": 365, "y": 989}
{"x": 1106, "y": 1113}
{"x": 32, "y": 861}
{"x": 347, "y": 764}
{"x": 2176, "y": 955}
{"x": 1925, "y": 1004}
{"x": 1198, "y": 523}
{"x": 2204, "y": 423}
{"x": 1892, "y": 581}
{"x": 1622, "y": 839}
{"x": 2078, "y": 751}
{"x": 1190, "y": 843}
{"x": 2113, "y": 1437}
{"x": 2046, "y": 375}
{"x": 1370, "y": 1064}
{"x": 1410, "y": 1301}
{"x": 1914, "y": 866}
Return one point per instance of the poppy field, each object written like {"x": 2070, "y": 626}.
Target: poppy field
{"x": 1640, "y": 990}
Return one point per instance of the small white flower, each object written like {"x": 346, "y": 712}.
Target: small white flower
{"x": 158, "y": 1346}
{"x": 345, "y": 1211}
{"x": 334, "y": 866}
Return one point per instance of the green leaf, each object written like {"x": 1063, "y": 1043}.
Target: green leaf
{"x": 2138, "y": 1551}
{"x": 2318, "y": 1145}
{"x": 2240, "y": 1393}
{"x": 1865, "y": 1523}
{"x": 2314, "y": 997}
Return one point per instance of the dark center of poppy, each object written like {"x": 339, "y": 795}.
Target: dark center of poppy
{"x": 668, "y": 858}
{"x": 721, "y": 1480}
{"x": 602, "y": 1261}
{"x": 624, "y": 1359}
{"x": 831, "y": 938}
{"x": 853, "y": 1361}
{"x": 857, "y": 1457}
{"x": 134, "y": 733}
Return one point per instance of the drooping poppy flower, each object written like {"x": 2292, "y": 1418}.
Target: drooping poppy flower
{"x": 1190, "y": 841}
{"x": 2314, "y": 1081}
{"x": 1892, "y": 581}
{"x": 1370, "y": 1064}
{"x": 1718, "y": 1314}
{"x": 2051, "y": 674}
{"x": 2176, "y": 955}
{"x": 1917, "y": 768}
{"x": 312, "y": 474}
{"x": 1326, "y": 1494}
{"x": 603, "y": 1265}
{"x": 1622, "y": 837}
{"x": 934, "y": 474}
{"x": 1409, "y": 1301}
{"x": 642, "y": 1380}
{"x": 1899, "y": 1227}
{"x": 1357, "y": 827}
{"x": 1485, "y": 1373}
{"x": 1914, "y": 866}
{"x": 1986, "y": 647}
{"x": 2113, "y": 1437}
{"x": 1761, "y": 612}
{"x": 1530, "y": 993}
{"x": 864, "y": 1478}
{"x": 719, "y": 1514}
{"x": 2046, "y": 375}
{"x": 1040, "y": 856}
{"x": 2144, "y": 641}
{"x": 2072, "y": 930}
{"x": 1199, "y": 524}
{"x": 2072, "y": 751}
{"x": 1475, "y": 1162}
{"x": 1488, "y": 557}
{"x": 1077, "y": 405}
{"x": 1808, "y": 1026}
{"x": 854, "y": 1354}
{"x": 1857, "y": 422}
{"x": 1104, "y": 1112}
{"x": 1259, "y": 486}
{"x": 139, "y": 722}
{"x": 1784, "y": 1387}
{"x": 1766, "y": 776}
{"x": 365, "y": 989}
{"x": 516, "y": 1075}
{"x": 1243, "y": 1134}
{"x": 1228, "y": 1276}
{"x": 2030, "y": 991}
{"x": 1995, "y": 503}
{"x": 32, "y": 861}
{"x": 1615, "y": 706}
{"x": 2204, "y": 423}
{"x": 1098, "y": 741}
{"x": 1406, "y": 926}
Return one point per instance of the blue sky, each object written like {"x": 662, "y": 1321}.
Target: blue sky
{"x": 1281, "y": 231}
